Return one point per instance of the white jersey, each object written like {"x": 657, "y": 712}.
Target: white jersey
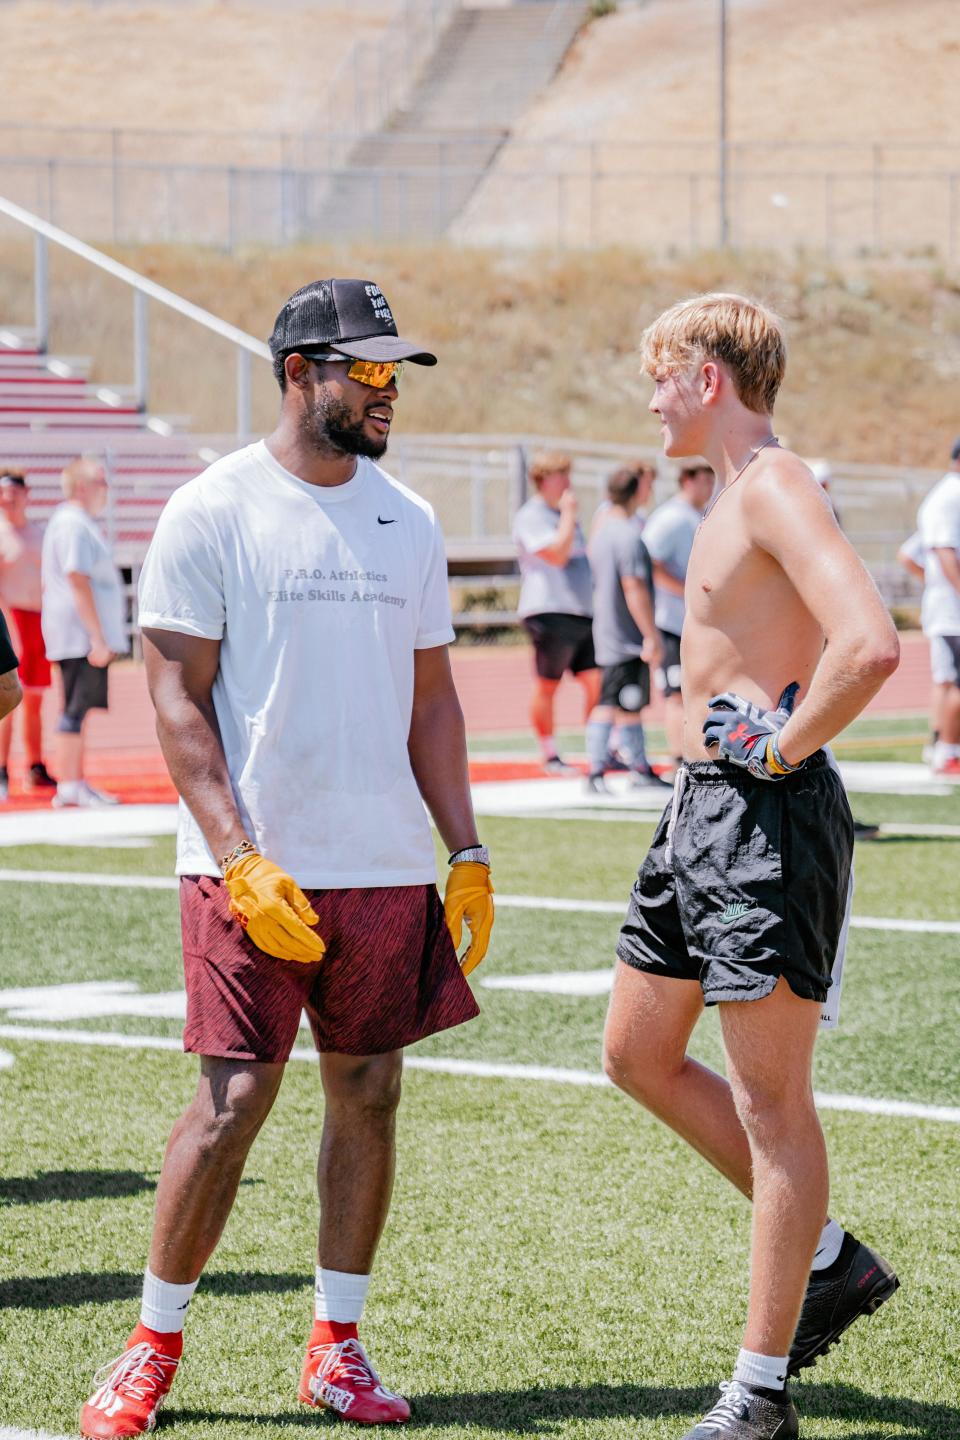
{"x": 938, "y": 522}
{"x": 319, "y": 596}
{"x": 73, "y": 544}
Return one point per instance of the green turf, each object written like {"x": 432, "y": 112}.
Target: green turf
{"x": 556, "y": 1262}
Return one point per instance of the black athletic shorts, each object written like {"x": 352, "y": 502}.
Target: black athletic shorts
{"x": 84, "y": 688}
{"x": 561, "y": 643}
{"x": 626, "y": 685}
{"x": 668, "y": 676}
{"x": 749, "y": 882}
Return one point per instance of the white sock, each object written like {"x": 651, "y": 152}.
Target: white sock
{"x": 548, "y": 747}
{"x": 942, "y": 752}
{"x": 828, "y": 1246}
{"x": 164, "y": 1306}
{"x": 339, "y": 1296}
{"x": 69, "y": 789}
{"x": 770, "y": 1371}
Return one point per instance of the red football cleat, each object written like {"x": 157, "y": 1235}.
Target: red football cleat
{"x": 949, "y": 770}
{"x": 130, "y": 1391}
{"x": 339, "y": 1377}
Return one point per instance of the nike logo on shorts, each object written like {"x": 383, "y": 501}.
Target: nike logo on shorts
{"x": 736, "y": 912}
{"x": 381, "y": 521}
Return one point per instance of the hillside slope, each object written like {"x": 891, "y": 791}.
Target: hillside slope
{"x": 540, "y": 343}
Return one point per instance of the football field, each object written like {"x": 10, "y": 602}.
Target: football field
{"x": 556, "y": 1262}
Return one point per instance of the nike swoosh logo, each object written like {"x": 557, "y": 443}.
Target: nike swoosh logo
{"x": 381, "y": 521}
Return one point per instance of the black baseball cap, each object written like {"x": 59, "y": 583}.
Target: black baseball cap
{"x": 13, "y": 477}
{"x": 347, "y": 315}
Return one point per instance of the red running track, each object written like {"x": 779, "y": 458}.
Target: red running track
{"x": 493, "y": 682}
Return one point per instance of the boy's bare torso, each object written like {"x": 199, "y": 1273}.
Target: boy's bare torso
{"x": 746, "y": 628}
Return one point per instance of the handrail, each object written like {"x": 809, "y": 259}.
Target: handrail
{"x": 144, "y": 289}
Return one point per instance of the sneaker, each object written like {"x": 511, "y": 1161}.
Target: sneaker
{"x": 4, "y": 784}
{"x": 646, "y": 778}
{"x": 949, "y": 770}
{"x": 83, "y": 797}
{"x": 339, "y": 1377}
{"x": 595, "y": 785}
{"x": 130, "y": 1391}
{"x": 857, "y": 1283}
{"x": 38, "y": 777}
{"x": 555, "y": 766}
{"x": 862, "y": 830}
{"x": 748, "y": 1412}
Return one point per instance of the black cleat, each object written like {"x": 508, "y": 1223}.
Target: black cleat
{"x": 646, "y": 778}
{"x": 857, "y": 1283}
{"x": 595, "y": 785}
{"x": 748, "y": 1412}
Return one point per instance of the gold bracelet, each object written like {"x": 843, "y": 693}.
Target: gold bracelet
{"x": 246, "y": 847}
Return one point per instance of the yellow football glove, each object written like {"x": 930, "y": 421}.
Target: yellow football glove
{"x": 469, "y": 896}
{"x": 273, "y": 909}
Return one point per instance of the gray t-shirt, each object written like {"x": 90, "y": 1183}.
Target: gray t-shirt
{"x": 547, "y": 589}
{"x": 74, "y": 544}
{"x": 668, "y": 535}
{"x": 617, "y": 551}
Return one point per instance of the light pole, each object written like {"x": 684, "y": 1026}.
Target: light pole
{"x": 722, "y": 129}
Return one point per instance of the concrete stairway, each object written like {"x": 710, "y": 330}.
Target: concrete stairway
{"x": 413, "y": 177}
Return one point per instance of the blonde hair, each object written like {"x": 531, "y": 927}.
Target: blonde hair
{"x": 77, "y": 472}
{"x": 547, "y": 462}
{"x": 744, "y": 336}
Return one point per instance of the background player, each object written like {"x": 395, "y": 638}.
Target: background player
{"x": 625, "y": 639}
{"x": 556, "y": 597}
{"x": 668, "y": 535}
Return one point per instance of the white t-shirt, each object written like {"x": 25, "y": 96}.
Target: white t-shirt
{"x": 668, "y": 535}
{"x": 73, "y": 544}
{"x": 938, "y": 522}
{"x": 544, "y": 588}
{"x": 319, "y": 596}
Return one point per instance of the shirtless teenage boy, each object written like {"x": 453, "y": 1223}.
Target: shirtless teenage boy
{"x": 741, "y": 901}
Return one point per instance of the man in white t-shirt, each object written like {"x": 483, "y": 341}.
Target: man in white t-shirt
{"x": 81, "y": 615}
{"x": 296, "y": 620}
{"x": 668, "y": 535}
{"x": 938, "y": 524}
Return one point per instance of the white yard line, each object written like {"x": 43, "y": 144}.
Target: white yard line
{"x": 10, "y": 1432}
{"x": 505, "y": 902}
{"x": 480, "y": 1069}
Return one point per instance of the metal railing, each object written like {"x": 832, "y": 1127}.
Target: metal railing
{"x": 144, "y": 290}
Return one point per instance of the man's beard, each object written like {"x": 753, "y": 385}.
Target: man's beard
{"x": 326, "y": 426}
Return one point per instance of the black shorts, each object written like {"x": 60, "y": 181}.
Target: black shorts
{"x": 756, "y": 885}
{"x": 84, "y": 688}
{"x": 668, "y": 675}
{"x": 626, "y": 685}
{"x": 561, "y": 643}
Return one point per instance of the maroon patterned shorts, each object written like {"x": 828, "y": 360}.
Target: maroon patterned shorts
{"x": 389, "y": 976}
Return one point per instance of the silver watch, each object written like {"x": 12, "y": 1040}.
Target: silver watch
{"x": 477, "y": 854}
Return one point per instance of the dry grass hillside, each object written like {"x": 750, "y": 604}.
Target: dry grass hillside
{"x": 640, "y": 87}
{"x": 218, "y": 65}
{"x": 540, "y": 343}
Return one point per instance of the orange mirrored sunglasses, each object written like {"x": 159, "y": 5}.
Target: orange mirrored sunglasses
{"x": 375, "y": 373}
